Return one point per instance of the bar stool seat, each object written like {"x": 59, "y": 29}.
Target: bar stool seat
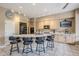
{"x": 39, "y": 42}
{"x": 27, "y": 43}
{"x": 13, "y": 42}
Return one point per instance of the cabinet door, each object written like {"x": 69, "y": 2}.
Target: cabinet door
{"x": 32, "y": 30}
{"x": 23, "y": 28}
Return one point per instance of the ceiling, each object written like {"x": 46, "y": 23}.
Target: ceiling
{"x": 39, "y": 9}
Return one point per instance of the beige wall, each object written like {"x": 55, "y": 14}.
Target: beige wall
{"x": 77, "y": 21}
{"x": 2, "y": 25}
{"x": 54, "y": 21}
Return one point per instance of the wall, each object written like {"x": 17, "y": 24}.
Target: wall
{"x": 9, "y": 29}
{"x": 7, "y": 26}
{"x": 31, "y": 24}
{"x": 77, "y": 21}
{"x": 54, "y": 21}
{"x": 2, "y": 25}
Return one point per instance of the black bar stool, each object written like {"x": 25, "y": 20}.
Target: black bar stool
{"x": 50, "y": 41}
{"x": 18, "y": 39}
{"x": 40, "y": 44}
{"x": 27, "y": 42}
{"x": 13, "y": 41}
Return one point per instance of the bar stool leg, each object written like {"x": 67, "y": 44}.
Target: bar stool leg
{"x": 37, "y": 47}
{"x": 43, "y": 48}
{"x": 17, "y": 47}
{"x": 11, "y": 49}
{"x": 53, "y": 44}
{"x": 31, "y": 48}
{"x": 23, "y": 49}
{"x": 47, "y": 44}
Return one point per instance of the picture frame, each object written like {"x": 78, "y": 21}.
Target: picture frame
{"x": 46, "y": 27}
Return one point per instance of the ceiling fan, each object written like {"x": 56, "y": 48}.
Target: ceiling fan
{"x": 65, "y": 5}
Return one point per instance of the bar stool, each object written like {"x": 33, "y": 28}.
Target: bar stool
{"x": 13, "y": 41}
{"x": 27, "y": 42}
{"x": 40, "y": 44}
{"x": 50, "y": 41}
{"x": 18, "y": 39}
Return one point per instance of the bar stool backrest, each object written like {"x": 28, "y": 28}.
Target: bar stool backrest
{"x": 39, "y": 39}
{"x": 49, "y": 37}
{"x": 12, "y": 39}
{"x": 26, "y": 39}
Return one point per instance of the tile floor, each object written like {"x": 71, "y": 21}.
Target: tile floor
{"x": 60, "y": 49}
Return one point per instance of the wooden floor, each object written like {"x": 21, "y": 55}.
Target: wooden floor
{"x": 60, "y": 49}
